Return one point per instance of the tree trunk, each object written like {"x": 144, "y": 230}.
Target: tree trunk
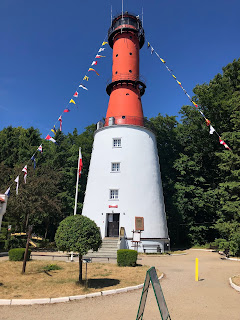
{"x": 80, "y": 268}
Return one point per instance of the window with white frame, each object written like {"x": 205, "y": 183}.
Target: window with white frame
{"x": 117, "y": 143}
{"x": 113, "y": 194}
{"x": 115, "y": 166}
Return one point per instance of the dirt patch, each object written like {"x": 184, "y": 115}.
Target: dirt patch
{"x": 236, "y": 280}
{"x": 39, "y": 283}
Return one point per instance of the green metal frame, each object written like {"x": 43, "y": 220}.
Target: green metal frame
{"x": 158, "y": 295}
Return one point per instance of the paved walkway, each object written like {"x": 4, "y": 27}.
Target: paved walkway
{"x": 211, "y": 298}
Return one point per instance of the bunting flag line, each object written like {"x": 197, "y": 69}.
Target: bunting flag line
{"x": 60, "y": 120}
{"x": 7, "y": 193}
{"x": 104, "y": 42}
{"x": 94, "y": 63}
{"x": 48, "y": 137}
{"x": 17, "y": 181}
{"x": 72, "y": 101}
{"x": 83, "y": 87}
{"x": 85, "y": 78}
{"x": 66, "y": 110}
{"x": 54, "y": 130}
{"x": 25, "y": 173}
{"x": 34, "y": 162}
{"x": 101, "y": 50}
{"x": 208, "y": 122}
{"x": 75, "y": 94}
{"x": 40, "y": 148}
{"x": 91, "y": 69}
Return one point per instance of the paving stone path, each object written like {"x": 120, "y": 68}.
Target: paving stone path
{"x": 210, "y": 298}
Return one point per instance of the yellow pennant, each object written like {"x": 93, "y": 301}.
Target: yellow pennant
{"x": 162, "y": 60}
{"x": 179, "y": 82}
{"x": 174, "y": 76}
{"x": 91, "y": 69}
{"x": 104, "y": 42}
{"x": 85, "y": 78}
{"x": 195, "y": 104}
{"x": 72, "y": 101}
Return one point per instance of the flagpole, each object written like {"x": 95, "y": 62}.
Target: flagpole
{"x": 76, "y": 194}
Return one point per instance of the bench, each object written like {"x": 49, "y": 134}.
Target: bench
{"x": 151, "y": 247}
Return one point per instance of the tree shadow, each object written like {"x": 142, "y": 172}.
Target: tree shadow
{"x": 102, "y": 283}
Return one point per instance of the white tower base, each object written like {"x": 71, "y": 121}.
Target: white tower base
{"x": 114, "y": 199}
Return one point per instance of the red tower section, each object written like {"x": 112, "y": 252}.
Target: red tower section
{"x": 126, "y": 37}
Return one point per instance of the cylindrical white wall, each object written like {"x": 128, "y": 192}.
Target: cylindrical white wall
{"x": 139, "y": 183}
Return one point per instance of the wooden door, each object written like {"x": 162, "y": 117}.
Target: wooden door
{"x": 113, "y": 225}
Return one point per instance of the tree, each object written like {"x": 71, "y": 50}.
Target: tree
{"x": 80, "y": 234}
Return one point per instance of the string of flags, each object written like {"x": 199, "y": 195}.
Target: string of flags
{"x": 67, "y": 109}
{"x": 208, "y": 122}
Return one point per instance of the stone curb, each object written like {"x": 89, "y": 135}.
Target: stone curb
{"x": 15, "y": 302}
{"x": 232, "y": 259}
{"x": 233, "y": 285}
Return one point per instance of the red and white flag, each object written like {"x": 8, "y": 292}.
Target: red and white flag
{"x": 224, "y": 143}
{"x": 25, "y": 173}
{"x": 40, "y": 148}
{"x": 48, "y": 137}
{"x": 94, "y": 63}
{"x": 75, "y": 94}
{"x": 60, "y": 120}
{"x": 80, "y": 164}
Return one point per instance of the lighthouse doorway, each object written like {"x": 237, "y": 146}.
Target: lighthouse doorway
{"x": 112, "y": 224}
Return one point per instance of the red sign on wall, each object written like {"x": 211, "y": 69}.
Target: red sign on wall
{"x": 111, "y": 206}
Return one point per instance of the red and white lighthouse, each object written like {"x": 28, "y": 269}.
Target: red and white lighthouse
{"x": 124, "y": 188}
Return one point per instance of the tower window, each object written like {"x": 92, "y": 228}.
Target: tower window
{"x": 127, "y": 94}
{"x": 130, "y": 53}
{"x": 130, "y": 37}
{"x": 113, "y": 194}
{"x": 116, "y": 72}
{"x": 117, "y": 143}
{"x": 115, "y": 166}
{"x": 117, "y": 55}
{"x": 130, "y": 71}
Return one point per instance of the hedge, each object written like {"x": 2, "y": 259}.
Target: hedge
{"x": 126, "y": 258}
{"x": 18, "y": 254}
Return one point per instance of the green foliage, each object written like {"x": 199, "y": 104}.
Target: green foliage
{"x": 78, "y": 233}
{"x": 51, "y": 267}
{"x": 15, "y": 242}
{"x": 127, "y": 258}
{"x": 18, "y": 254}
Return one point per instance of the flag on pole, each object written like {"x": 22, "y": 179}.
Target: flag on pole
{"x": 60, "y": 120}
{"x": 54, "y": 130}
{"x": 25, "y": 173}
{"x": 17, "y": 181}
{"x": 72, "y": 101}
{"x": 80, "y": 165}
{"x": 85, "y": 78}
{"x": 7, "y": 193}
{"x": 83, "y": 87}
{"x": 91, "y": 69}
{"x": 104, "y": 42}
{"x": 99, "y": 56}
{"x": 211, "y": 129}
{"x": 40, "y": 148}
{"x": 75, "y": 94}
{"x": 101, "y": 49}
{"x": 34, "y": 161}
{"x": 48, "y": 137}
{"x": 66, "y": 110}
{"x": 224, "y": 143}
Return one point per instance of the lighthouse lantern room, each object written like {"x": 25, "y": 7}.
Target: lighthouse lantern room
{"x": 124, "y": 190}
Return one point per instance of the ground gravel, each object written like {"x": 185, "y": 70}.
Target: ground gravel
{"x": 210, "y": 298}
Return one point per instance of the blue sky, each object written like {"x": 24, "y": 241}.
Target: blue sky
{"x": 46, "y": 47}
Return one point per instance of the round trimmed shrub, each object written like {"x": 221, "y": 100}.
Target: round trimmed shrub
{"x": 18, "y": 254}
{"x": 127, "y": 258}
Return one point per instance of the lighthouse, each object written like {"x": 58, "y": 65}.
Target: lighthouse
{"x": 124, "y": 189}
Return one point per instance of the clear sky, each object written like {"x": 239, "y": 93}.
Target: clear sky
{"x": 46, "y": 47}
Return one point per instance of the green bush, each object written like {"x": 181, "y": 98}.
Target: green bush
{"x": 126, "y": 258}
{"x": 18, "y": 254}
{"x": 2, "y": 244}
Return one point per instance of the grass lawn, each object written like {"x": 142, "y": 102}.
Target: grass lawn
{"x": 236, "y": 280}
{"x": 39, "y": 283}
